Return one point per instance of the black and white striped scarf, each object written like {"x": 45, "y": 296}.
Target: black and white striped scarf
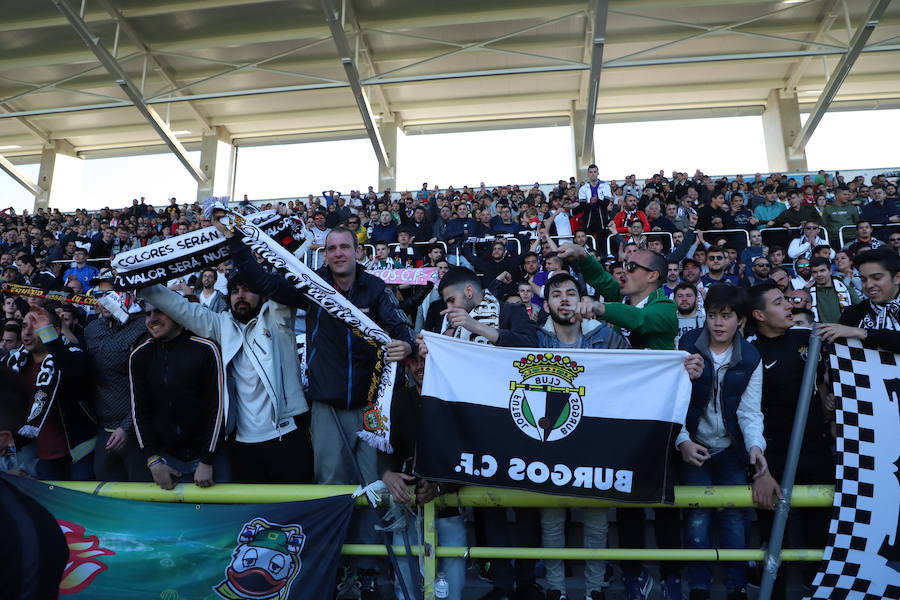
{"x": 487, "y": 312}
{"x": 46, "y": 386}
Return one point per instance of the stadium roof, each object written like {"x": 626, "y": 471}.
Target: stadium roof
{"x": 278, "y": 70}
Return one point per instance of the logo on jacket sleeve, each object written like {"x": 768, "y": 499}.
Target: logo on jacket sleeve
{"x": 545, "y": 405}
{"x": 265, "y": 563}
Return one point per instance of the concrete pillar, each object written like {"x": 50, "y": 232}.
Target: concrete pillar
{"x": 217, "y": 161}
{"x": 387, "y": 178}
{"x": 781, "y": 124}
{"x": 59, "y": 178}
{"x": 582, "y": 160}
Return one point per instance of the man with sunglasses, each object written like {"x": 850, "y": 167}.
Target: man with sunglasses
{"x": 647, "y": 319}
{"x": 717, "y": 263}
{"x": 759, "y": 272}
{"x": 803, "y": 277}
{"x": 803, "y": 246}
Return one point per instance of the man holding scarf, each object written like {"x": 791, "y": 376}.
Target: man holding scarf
{"x": 341, "y": 365}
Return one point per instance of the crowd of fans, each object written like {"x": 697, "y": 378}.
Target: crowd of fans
{"x": 200, "y": 381}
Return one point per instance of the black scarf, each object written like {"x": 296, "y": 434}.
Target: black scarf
{"x": 46, "y": 385}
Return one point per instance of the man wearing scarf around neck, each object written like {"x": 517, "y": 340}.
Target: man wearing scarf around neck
{"x": 876, "y": 320}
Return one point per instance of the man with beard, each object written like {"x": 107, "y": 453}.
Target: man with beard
{"x": 783, "y": 352}
{"x": 566, "y": 329}
{"x": 717, "y": 261}
{"x": 208, "y": 295}
{"x": 759, "y": 272}
{"x": 781, "y": 278}
{"x": 673, "y": 277}
{"x": 690, "y": 315}
{"x": 803, "y": 279}
{"x": 259, "y": 352}
{"x": 690, "y": 272}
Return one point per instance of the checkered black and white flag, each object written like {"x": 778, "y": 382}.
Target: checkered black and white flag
{"x": 862, "y": 560}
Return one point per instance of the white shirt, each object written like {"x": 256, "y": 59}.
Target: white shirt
{"x": 204, "y": 299}
{"x": 221, "y": 283}
{"x": 255, "y": 417}
{"x": 563, "y": 225}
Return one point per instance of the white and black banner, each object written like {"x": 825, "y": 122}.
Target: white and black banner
{"x": 862, "y": 560}
{"x": 598, "y": 423}
{"x": 185, "y": 254}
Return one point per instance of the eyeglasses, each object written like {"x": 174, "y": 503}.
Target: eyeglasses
{"x": 632, "y": 266}
{"x": 796, "y": 300}
{"x": 762, "y": 264}
{"x": 802, "y": 265}
{"x": 811, "y": 228}
{"x": 709, "y": 258}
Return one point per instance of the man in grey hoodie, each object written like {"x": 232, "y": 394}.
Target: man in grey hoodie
{"x": 566, "y": 329}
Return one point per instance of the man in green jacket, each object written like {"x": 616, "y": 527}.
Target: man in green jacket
{"x": 647, "y": 318}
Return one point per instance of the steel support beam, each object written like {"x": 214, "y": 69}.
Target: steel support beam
{"x": 165, "y": 70}
{"x": 132, "y": 91}
{"x": 599, "y": 12}
{"x": 19, "y": 177}
{"x": 349, "y": 63}
{"x": 829, "y": 15}
{"x": 857, "y": 44}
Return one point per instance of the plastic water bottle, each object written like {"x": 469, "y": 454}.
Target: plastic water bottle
{"x": 441, "y": 587}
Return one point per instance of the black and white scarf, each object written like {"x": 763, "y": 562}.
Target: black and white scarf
{"x": 182, "y": 255}
{"x": 882, "y": 316}
{"x": 46, "y": 386}
{"x": 487, "y": 312}
{"x": 376, "y": 420}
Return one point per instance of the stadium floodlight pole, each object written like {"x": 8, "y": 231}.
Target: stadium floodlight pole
{"x": 783, "y": 506}
{"x": 121, "y": 78}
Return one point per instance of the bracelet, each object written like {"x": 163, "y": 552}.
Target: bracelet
{"x": 155, "y": 460}
{"x": 47, "y": 333}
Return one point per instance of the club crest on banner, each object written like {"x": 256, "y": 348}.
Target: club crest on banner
{"x": 546, "y": 405}
{"x": 265, "y": 562}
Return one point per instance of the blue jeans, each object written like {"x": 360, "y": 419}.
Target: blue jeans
{"x": 451, "y": 531}
{"x": 725, "y": 467}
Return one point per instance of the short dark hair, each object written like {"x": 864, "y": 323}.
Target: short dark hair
{"x": 723, "y": 295}
{"x": 659, "y": 264}
{"x": 556, "y": 281}
{"x": 819, "y": 261}
{"x": 883, "y": 256}
{"x": 684, "y": 285}
{"x": 593, "y": 166}
{"x": 757, "y": 294}
{"x": 821, "y": 247}
{"x": 459, "y": 276}
{"x": 774, "y": 249}
{"x": 28, "y": 259}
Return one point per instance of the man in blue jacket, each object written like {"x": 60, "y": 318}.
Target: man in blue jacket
{"x": 340, "y": 365}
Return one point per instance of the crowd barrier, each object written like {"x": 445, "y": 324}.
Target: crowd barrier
{"x": 802, "y": 496}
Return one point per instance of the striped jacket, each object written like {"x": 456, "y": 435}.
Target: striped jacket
{"x": 178, "y": 397}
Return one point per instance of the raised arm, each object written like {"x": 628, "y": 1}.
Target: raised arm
{"x": 272, "y": 286}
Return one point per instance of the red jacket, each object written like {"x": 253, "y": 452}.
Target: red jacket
{"x": 623, "y": 220}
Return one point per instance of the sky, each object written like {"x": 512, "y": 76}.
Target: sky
{"x": 719, "y": 146}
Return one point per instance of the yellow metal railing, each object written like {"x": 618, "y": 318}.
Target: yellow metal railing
{"x": 803, "y": 496}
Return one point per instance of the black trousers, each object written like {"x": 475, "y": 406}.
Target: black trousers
{"x": 631, "y": 524}
{"x": 525, "y": 532}
{"x": 288, "y": 459}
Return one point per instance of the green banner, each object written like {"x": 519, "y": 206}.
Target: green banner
{"x": 158, "y": 551}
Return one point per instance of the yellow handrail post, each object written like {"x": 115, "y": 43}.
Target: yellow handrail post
{"x": 430, "y": 543}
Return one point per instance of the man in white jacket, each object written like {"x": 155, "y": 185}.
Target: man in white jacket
{"x": 267, "y": 413}
{"x": 804, "y": 245}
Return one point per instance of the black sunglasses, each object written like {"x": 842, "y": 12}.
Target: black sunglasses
{"x": 632, "y": 266}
